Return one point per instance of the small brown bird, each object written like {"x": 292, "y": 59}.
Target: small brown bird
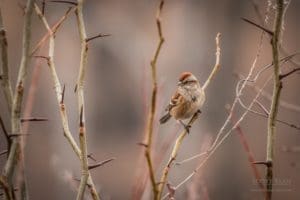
{"x": 187, "y": 100}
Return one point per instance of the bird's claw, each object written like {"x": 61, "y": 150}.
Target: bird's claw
{"x": 187, "y": 128}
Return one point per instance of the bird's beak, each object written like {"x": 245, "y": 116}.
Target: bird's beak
{"x": 179, "y": 83}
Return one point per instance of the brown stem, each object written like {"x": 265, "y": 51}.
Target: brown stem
{"x": 277, "y": 86}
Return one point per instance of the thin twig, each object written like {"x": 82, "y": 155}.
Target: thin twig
{"x": 99, "y": 164}
{"x": 54, "y": 28}
{"x": 33, "y": 119}
{"x": 283, "y": 104}
{"x": 217, "y": 64}
{"x": 3, "y": 152}
{"x": 282, "y": 76}
{"x": 66, "y": 2}
{"x": 258, "y": 26}
{"x": 97, "y": 36}
{"x": 249, "y": 153}
{"x": 152, "y": 111}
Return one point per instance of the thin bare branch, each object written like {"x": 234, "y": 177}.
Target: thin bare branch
{"x": 54, "y": 29}
{"x": 258, "y": 26}
{"x": 97, "y": 36}
{"x": 217, "y": 64}
{"x": 33, "y": 119}
{"x": 249, "y": 153}
{"x": 282, "y": 76}
{"x": 66, "y": 2}
{"x": 3, "y": 152}
{"x": 152, "y": 111}
{"x": 99, "y": 164}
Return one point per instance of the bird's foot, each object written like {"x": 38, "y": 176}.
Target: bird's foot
{"x": 187, "y": 127}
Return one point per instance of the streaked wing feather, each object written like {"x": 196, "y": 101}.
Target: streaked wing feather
{"x": 174, "y": 101}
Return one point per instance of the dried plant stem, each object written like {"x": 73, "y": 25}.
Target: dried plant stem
{"x": 180, "y": 138}
{"x": 15, "y": 151}
{"x": 80, "y": 95}
{"x": 217, "y": 64}
{"x": 5, "y": 78}
{"x": 277, "y": 86}
{"x": 249, "y": 153}
{"x": 60, "y": 99}
{"x": 173, "y": 156}
{"x": 54, "y": 29}
{"x": 152, "y": 111}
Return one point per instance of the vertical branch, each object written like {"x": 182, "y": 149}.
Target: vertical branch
{"x": 80, "y": 95}
{"x": 151, "y": 115}
{"x": 60, "y": 99}
{"x": 277, "y": 86}
{"x": 15, "y": 151}
{"x": 5, "y": 79}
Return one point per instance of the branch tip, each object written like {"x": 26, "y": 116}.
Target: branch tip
{"x": 66, "y": 2}
{"x": 99, "y": 164}
{"x": 258, "y": 26}
{"x": 97, "y": 36}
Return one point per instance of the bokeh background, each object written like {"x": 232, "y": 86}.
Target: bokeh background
{"x": 117, "y": 90}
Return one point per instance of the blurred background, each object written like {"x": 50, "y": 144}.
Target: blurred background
{"x": 118, "y": 88}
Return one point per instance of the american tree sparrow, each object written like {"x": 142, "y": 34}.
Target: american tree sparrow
{"x": 187, "y": 100}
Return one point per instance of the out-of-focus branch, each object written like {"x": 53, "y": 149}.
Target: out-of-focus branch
{"x": 152, "y": 111}
{"x": 284, "y": 52}
{"x": 54, "y": 28}
{"x": 5, "y": 132}
{"x": 5, "y": 78}
{"x": 60, "y": 99}
{"x": 15, "y": 152}
{"x": 277, "y": 86}
{"x": 180, "y": 138}
{"x": 283, "y": 104}
{"x": 249, "y": 153}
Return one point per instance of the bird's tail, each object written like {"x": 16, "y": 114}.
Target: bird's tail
{"x": 165, "y": 118}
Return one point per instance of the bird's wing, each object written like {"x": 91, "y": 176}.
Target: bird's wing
{"x": 176, "y": 98}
